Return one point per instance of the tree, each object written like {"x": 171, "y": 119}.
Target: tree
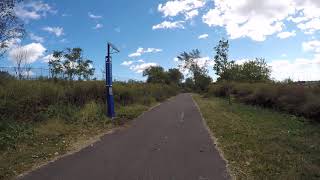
{"x": 72, "y": 58}
{"x": 255, "y": 71}
{"x": 174, "y": 76}
{"x": 156, "y": 74}
{"x": 85, "y": 69}
{"x": 71, "y": 64}
{"x": 19, "y": 57}
{"x": 189, "y": 61}
{"x": 222, "y": 64}
{"x": 11, "y": 27}
{"x": 55, "y": 64}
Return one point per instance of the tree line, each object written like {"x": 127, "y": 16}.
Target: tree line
{"x": 255, "y": 70}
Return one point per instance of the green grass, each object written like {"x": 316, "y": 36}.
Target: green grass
{"x": 40, "y": 142}
{"x": 263, "y": 144}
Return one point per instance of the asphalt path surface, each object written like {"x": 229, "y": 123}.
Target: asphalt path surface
{"x": 169, "y": 142}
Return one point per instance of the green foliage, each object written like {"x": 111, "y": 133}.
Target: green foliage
{"x": 200, "y": 80}
{"x": 221, "y": 59}
{"x": 294, "y": 99}
{"x": 70, "y": 64}
{"x": 11, "y": 26}
{"x": 251, "y": 71}
{"x": 156, "y": 74}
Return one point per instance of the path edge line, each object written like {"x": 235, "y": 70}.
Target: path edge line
{"x": 214, "y": 139}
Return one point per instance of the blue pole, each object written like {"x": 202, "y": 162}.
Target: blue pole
{"x": 109, "y": 92}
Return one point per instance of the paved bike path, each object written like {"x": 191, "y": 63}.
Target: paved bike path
{"x": 168, "y": 142}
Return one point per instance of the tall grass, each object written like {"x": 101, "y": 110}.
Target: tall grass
{"x": 291, "y": 98}
{"x": 27, "y": 102}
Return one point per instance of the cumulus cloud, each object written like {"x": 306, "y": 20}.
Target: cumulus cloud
{"x": 141, "y": 67}
{"x": 176, "y": 7}
{"x": 36, "y": 38}
{"x": 126, "y": 63}
{"x": 203, "y": 36}
{"x": 140, "y": 51}
{"x": 259, "y": 19}
{"x": 33, "y": 10}
{"x": 33, "y": 52}
{"x": 286, "y": 34}
{"x": 298, "y": 70}
{"x": 98, "y": 26}
{"x": 169, "y": 25}
{"x": 58, "y": 31}
{"x": 311, "y": 46}
{"x": 92, "y": 16}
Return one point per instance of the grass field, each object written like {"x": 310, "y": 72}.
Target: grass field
{"x": 263, "y": 144}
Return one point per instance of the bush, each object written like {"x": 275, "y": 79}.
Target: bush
{"x": 295, "y": 99}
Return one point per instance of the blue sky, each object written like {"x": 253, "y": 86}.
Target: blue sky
{"x": 286, "y": 33}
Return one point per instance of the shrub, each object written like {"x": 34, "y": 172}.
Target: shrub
{"x": 295, "y": 99}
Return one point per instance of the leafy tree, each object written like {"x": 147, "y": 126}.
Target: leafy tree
{"x": 156, "y": 74}
{"x": 174, "y": 76}
{"x": 222, "y": 64}
{"x": 70, "y": 64}
{"x": 11, "y": 27}
{"x": 189, "y": 84}
{"x": 55, "y": 64}
{"x": 255, "y": 71}
{"x": 72, "y": 58}
{"x": 189, "y": 61}
{"x": 85, "y": 69}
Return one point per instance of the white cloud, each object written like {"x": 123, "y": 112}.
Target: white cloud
{"x": 259, "y": 19}
{"x": 36, "y": 38}
{"x": 48, "y": 58}
{"x": 140, "y": 51}
{"x": 169, "y": 25}
{"x": 284, "y": 35}
{"x": 98, "y": 26}
{"x": 33, "y": 51}
{"x": 126, "y": 63}
{"x": 140, "y": 61}
{"x": 312, "y": 46}
{"x": 191, "y": 14}
{"x": 33, "y": 10}
{"x": 297, "y": 70}
{"x": 203, "y": 36}
{"x": 92, "y": 16}
{"x": 58, "y": 31}
{"x": 176, "y": 7}
{"x": 249, "y": 18}
{"x": 141, "y": 67}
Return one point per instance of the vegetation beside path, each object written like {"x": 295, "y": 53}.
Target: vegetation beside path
{"x": 261, "y": 143}
{"x": 44, "y": 119}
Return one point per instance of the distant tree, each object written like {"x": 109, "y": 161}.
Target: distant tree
{"x": 72, "y": 57}
{"x": 55, "y": 64}
{"x": 189, "y": 84}
{"x": 202, "y": 82}
{"x": 20, "y": 57}
{"x": 189, "y": 61}
{"x": 11, "y": 27}
{"x": 255, "y": 71}
{"x": 85, "y": 69}
{"x": 174, "y": 76}
{"x": 155, "y": 74}
{"x": 71, "y": 64}
{"x": 222, "y": 64}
